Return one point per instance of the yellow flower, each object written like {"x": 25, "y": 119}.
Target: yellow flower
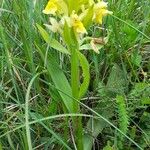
{"x": 54, "y": 6}
{"x": 77, "y": 24}
{"x": 51, "y": 7}
{"x": 100, "y": 10}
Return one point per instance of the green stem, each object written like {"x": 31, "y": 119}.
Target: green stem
{"x": 75, "y": 76}
{"x": 77, "y": 121}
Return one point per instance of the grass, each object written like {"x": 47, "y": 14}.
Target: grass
{"x": 35, "y": 82}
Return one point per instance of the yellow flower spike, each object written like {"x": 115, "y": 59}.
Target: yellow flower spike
{"x": 100, "y": 10}
{"x": 77, "y": 24}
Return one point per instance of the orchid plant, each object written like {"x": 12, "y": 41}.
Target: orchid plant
{"x": 72, "y": 19}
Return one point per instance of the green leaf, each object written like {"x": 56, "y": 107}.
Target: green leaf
{"x": 108, "y": 147}
{"x": 85, "y": 47}
{"x": 123, "y": 117}
{"x": 66, "y": 34}
{"x": 136, "y": 59}
{"x": 69, "y": 37}
{"x": 116, "y": 83}
{"x": 86, "y": 74}
{"x": 37, "y": 116}
{"x": 87, "y": 21}
{"x": 145, "y": 100}
{"x": 140, "y": 90}
{"x": 52, "y": 42}
{"x": 95, "y": 127}
{"x": 72, "y": 5}
{"x": 1, "y": 146}
{"x": 75, "y": 5}
{"x": 89, "y": 47}
{"x": 59, "y": 79}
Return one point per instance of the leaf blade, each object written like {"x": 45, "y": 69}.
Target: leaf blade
{"x": 52, "y": 42}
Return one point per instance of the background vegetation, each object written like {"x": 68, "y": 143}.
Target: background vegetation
{"x": 119, "y": 90}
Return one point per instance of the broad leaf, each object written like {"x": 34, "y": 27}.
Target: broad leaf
{"x": 117, "y": 83}
{"x": 52, "y": 42}
{"x": 87, "y": 21}
{"x": 86, "y": 74}
{"x": 59, "y": 79}
{"x": 69, "y": 37}
{"x": 95, "y": 127}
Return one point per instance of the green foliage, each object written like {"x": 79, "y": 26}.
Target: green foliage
{"x": 59, "y": 79}
{"x": 51, "y": 41}
{"x": 114, "y": 83}
{"x": 108, "y": 147}
{"x": 87, "y": 21}
{"x": 1, "y": 146}
{"x": 123, "y": 117}
{"x": 122, "y": 113}
{"x": 136, "y": 59}
{"x": 86, "y": 74}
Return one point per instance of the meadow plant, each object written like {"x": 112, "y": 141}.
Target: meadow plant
{"x": 72, "y": 19}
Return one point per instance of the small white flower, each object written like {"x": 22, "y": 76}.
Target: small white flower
{"x": 54, "y": 25}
